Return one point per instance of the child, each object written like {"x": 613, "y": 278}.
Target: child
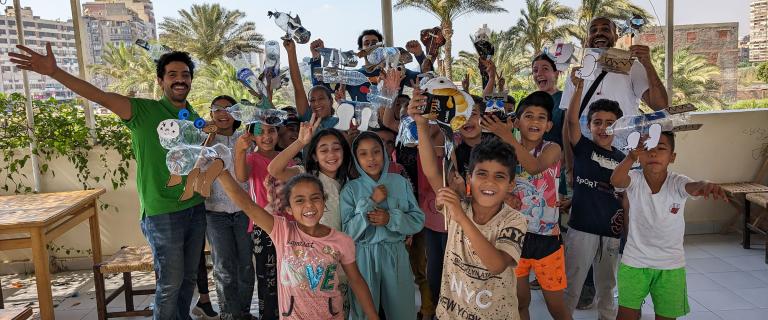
{"x": 319, "y": 102}
{"x": 308, "y": 252}
{"x": 653, "y": 260}
{"x": 327, "y": 157}
{"x": 388, "y": 137}
{"x": 252, "y": 167}
{"x": 537, "y": 177}
{"x": 596, "y": 220}
{"x": 485, "y": 236}
{"x": 378, "y": 210}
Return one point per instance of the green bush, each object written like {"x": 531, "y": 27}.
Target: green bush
{"x": 749, "y": 104}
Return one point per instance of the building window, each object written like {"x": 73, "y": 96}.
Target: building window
{"x": 723, "y": 34}
{"x": 691, "y": 36}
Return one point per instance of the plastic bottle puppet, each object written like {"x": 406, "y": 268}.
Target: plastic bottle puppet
{"x": 363, "y": 115}
{"x": 380, "y": 57}
{"x": 381, "y": 97}
{"x": 629, "y": 129}
{"x": 253, "y": 117}
{"x": 432, "y": 39}
{"x": 335, "y": 58}
{"x": 446, "y": 104}
{"x": 341, "y": 76}
{"x": 482, "y": 42}
{"x": 188, "y": 154}
{"x": 155, "y": 50}
{"x": 561, "y": 53}
{"x": 291, "y": 25}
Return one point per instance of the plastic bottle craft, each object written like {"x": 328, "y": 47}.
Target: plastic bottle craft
{"x": 628, "y": 129}
{"x": 291, "y": 25}
{"x": 245, "y": 75}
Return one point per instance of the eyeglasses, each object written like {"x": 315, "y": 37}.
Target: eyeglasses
{"x": 215, "y": 108}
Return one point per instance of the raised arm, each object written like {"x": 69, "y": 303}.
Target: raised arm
{"x": 261, "y": 217}
{"x": 429, "y": 164}
{"x": 302, "y": 104}
{"x": 242, "y": 171}
{"x": 46, "y": 65}
{"x": 490, "y": 67}
{"x": 278, "y": 167}
{"x": 656, "y": 95}
{"x": 572, "y": 114}
{"x": 620, "y": 176}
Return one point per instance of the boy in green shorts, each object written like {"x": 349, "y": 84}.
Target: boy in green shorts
{"x": 653, "y": 260}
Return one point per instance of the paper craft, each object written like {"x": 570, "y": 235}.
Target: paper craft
{"x": 446, "y": 104}
{"x": 616, "y": 61}
{"x": 629, "y": 129}
{"x": 589, "y": 66}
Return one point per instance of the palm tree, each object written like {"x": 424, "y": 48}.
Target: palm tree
{"x": 695, "y": 78}
{"x": 617, "y": 10}
{"x": 447, "y": 11}
{"x": 130, "y": 69}
{"x": 208, "y": 31}
{"x": 215, "y": 79}
{"x": 538, "y": 24}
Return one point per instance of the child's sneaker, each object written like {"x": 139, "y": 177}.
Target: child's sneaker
{"x": 205, "y": 311}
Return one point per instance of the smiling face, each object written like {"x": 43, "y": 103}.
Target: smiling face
{"x": 490, "y": 183}
{"x": 267, "y": 139}
{"x": 657, "y": 160}
{"x": 329, "y": 155}
{"x": 176, "y": 82}
{"x": 221, "y": 118}
{"x": 602, "y": 34}
{"x": 306, "y": 203}
{"x": 533, "y": 123}
{"x": 370, "y": 157}
{"x": 320, "y": 103}
{"x": 545, "y": 76}
{"x": 597, "y": 125}
{"x": 471, "y": 129}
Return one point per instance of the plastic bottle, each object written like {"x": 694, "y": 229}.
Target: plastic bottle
{"x": 175, "y": 132}
{"x": 245, "y": 75}
{"x": 408, "y": 134}
{"x": 272, "y": 61}
{"x": 381, "y": 98}
{"x": 249, "y": 113}
{"x": 155, "y": 50}
{"x": 347, "y": 77}
{"x": 642, "y": 122}
{"x": 182, "y": 159}
{"x": 291, "y": 25}
{"x": 388, "y": 55}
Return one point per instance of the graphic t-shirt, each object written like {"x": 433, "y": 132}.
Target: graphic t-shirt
{"x": 308, "y": 271}
{"x": 468, "y": 290}
{"x": 538, "y": 194}
{"x": 595, "y": 208}
{"x": 656, "y": 223}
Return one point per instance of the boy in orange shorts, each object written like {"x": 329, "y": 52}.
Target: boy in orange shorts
{"x": 537, "y": 177}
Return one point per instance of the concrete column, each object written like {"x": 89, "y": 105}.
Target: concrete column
{"x": 77, "y": 24}
{"x": 386, "y": 22}
{"x": 669, "y": 49}
{"x": 30, "y": 111}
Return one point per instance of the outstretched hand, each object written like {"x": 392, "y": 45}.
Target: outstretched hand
{"x": 707, "y": 189}
{"x": 42, "y": 64}
{"x": 416, "y": 105}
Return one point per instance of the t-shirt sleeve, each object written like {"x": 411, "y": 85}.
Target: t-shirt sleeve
{"x": 347, "y": 249}
{"x": 138, "y": 114}
{"x": 565, "y": 99}
{"x": 639, "y": 79}
{"x": 678, "y": 186}
{"x": 511, "y": 233}
{"x": 279, "y": 231}
{"x": 635, "y": 176}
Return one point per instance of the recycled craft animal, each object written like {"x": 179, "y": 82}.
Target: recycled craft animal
{"x": 446, "y": 104}
{"x": 432, "y": 39}
{"x": 291, "y": 25}
{"x": 188, "y": 154}
{"x": 632, "y": 128}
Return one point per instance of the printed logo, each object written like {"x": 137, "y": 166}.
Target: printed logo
{"x": 674, "y": 208}
{"x": 604, "y": 162}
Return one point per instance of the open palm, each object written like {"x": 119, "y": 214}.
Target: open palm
{"x": 42, "y": 64}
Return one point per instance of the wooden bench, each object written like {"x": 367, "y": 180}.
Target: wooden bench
{"x": 125, "y": 261}
{"x": 15, "y": 314}
{"x": 750, "y": 226}
{"x": 736, "y": 191}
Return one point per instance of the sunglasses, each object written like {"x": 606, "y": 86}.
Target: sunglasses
{"x": 215, "y": 108}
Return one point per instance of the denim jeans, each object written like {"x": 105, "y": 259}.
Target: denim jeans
{"x": 231, "y": 247}
{"x": 435, "y": 243}
{"x": 176, "y": 240}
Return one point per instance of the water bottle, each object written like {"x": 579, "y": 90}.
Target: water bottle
{"x": 155, "y": 50}
{"x": 408, "y": 134}
{"x": 182, "y": 159}
{"x": 174, "y": 132}
{"x": 381, "y": 97}
{"x": 388, "y": 55}
{"x": 291, "y": 25}
{"x": 624, "y": 126}
{"x": 272, "y": 63}
{"x": 347, "y": 77}
{"x": 248, "y": 113}
{"x": 245, "y": 75}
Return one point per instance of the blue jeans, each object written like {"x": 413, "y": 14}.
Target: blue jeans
{"x": 231, "y": 247}
{"x": 176, "y": 240}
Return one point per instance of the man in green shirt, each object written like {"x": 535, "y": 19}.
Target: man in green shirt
{"x": 174, "y": 229}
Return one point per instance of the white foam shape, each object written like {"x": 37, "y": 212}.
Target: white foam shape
{"x": 168, "y": 129}
{"x": 632, "y": 140}
{"x": 654, "y": 134}
{"x": 438, "y": 83}
{"x": 365, "y": 119}
{"x": 345, "y": 112}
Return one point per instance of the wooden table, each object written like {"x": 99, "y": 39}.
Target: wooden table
{"x": 44, "y": 217}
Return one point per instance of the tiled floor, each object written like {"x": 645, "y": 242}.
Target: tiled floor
{"x": 724, "y": 282}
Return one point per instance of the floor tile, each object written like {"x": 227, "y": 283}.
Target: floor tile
{"x": 704, "y": 315}
{"x": 736, "y": 280}
{"x": 752, "y": 314}
{"x": 756, "y": 296}
{"x": 749, "y": 263}
{"x": 712, "y": 264}
{"x": 720, "y": 300}
{"x": 700, "y": 282}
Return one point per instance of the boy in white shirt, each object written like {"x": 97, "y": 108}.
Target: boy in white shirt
{"x": 653, "y": 260}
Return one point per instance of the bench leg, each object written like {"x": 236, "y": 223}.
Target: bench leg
{"x": 747, "y": 231}
{"x": 128, "y": 291}
{"x": 101, "y": 305}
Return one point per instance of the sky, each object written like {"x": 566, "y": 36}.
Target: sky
{"x": 338, "y": 22}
